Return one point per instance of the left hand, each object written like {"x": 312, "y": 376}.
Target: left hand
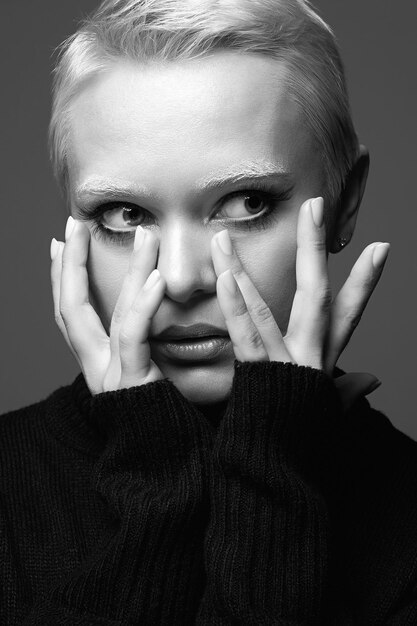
{"x": 318, "y": 328}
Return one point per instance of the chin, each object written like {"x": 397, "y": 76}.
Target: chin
{"x": 200, "y": 383}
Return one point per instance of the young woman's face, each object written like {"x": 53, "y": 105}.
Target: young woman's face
{"x": 187, "y": 149}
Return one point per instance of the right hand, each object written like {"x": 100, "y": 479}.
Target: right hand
{"x": 122, "y": 359}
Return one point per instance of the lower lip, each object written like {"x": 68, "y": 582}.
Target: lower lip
{"x": 198, "y": 350}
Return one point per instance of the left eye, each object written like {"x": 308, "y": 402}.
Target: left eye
{"x": 241, "y": 204}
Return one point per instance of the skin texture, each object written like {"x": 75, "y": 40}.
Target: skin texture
{"x": 163, "y": 130}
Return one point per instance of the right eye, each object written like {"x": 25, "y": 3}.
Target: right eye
{"x": 121, "y": 216}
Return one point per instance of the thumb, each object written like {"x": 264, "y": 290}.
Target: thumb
{"x": 353, "y": 386}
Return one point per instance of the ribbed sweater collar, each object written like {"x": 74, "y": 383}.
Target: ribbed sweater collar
{"x": 70, "y": 417}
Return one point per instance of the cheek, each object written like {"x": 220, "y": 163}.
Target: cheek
{"x": 271, "y": 267}
{"x": 106, "y": 269}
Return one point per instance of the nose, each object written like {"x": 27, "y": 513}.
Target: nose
{"x": 184, "y": 260}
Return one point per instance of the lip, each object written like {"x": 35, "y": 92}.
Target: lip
{"x": 196, "y": 350}
{"x": 194, "y": 331}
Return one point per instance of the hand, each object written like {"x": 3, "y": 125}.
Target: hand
{"x": 123, "y": 358}
{"x": 319, "y": 328}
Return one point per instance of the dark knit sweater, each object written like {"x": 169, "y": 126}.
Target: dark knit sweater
{"x": 137, "y": 507}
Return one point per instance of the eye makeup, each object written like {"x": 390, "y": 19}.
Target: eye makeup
{"x": 270, "y": 196}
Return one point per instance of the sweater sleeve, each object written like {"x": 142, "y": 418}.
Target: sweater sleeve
{"x": 147, "y": 568}
{"x": 267, "y": 543}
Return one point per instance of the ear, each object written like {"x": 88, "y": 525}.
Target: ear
{"x": 350, "y": 201}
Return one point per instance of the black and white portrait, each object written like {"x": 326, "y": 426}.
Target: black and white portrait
{"x": 207, "y": 411}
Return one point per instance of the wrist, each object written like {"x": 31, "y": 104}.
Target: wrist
{"x": 290, "y": 412}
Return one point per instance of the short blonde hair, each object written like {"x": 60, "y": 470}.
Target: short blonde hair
{"x": 164, "y": 30}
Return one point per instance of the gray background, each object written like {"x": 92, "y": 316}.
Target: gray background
{"x": 377, "y": 40}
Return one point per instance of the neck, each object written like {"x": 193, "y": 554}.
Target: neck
{"x": 213, "y": 412}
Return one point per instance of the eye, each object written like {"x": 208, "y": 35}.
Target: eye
{"x": 123, "y": 216}
{"x": 243, "y": 204}
{"x": 246, "y": 209}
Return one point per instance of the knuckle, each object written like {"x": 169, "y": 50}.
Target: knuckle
{"x": 116, "y": 318}
{"x": 137, "y": 305}
{"x": 262, "y": 313}
{"x": 318, "y": 245}
{"x": 67, "y": 310}
{"x": 67, "y": 262}
{"x": 65, "y": 313}
{"x": 125, "y": 339}
{"x": 323, "y": 295}
{"x": 240, "y": 310}
{"x": 58, "y": 320}
{"x": 254, "y": 339}
{"x": 117, "y": 315}
{"x": 352, "y": 319}
{"x": 66, "y": 325}
{"x": 72, "y": 313}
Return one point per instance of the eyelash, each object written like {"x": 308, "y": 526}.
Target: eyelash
{"x": 261, "y": 222}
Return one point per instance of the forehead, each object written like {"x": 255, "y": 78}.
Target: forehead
{"x": 197, "y": 115}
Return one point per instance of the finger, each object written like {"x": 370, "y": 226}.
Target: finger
{"x": 351, "y": 301}
{"x": 246, "y": 340}
{"x": 353, "y": 386}
{"x": 308, "y": 322}
{"x": 57, "y": 248}
{"x": 224, "y": 258}
{"x": 141, "y": 264}
{"x": 83, "y": 325}
{"x": 135, "y": 354}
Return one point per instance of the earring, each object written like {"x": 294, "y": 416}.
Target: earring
{"x": 342, "y": 241}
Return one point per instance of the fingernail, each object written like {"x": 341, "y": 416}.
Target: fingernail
{"x": 69, "y": 227}
{"x": 54, "y": 248}
{"x": 139, "y": 237}
{"x": 224, "y": 242}
{"x": 317, "y": 211}
{"x": 153, "y": 278}
{"x": 380, "y": 254}
{"x": 229, "y": 282}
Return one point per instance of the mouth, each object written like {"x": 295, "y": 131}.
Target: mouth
{"x": 199, "y": 342}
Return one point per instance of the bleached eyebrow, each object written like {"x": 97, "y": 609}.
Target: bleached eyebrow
{"x": 240, "y": 174}
{"x": 246, "y": 172}
{"x": 103, "y": 188}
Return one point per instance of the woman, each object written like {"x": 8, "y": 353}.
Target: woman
{"x": 209, "y": 465}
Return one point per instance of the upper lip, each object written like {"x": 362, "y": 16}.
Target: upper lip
{"x": 175, "y": 333}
